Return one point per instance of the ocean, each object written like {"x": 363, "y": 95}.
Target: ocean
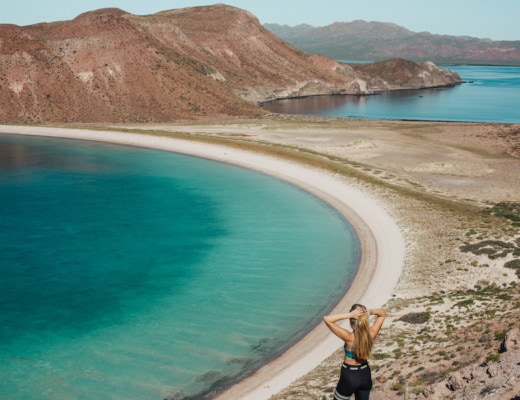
{"x": 488, "y": 94}
{"x": 130, "y": 273}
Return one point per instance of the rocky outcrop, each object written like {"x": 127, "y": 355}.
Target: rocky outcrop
{"x": 112, "y": 66}
{"x": 396, "y": 74}
{"x": 497, "y": 377}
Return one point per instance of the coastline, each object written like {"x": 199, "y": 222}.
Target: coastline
{"x": 382, "y": 244}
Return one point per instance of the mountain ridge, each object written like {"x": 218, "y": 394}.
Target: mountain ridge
{"x": 108, "y": 65}
{"x": 376, "y": 41}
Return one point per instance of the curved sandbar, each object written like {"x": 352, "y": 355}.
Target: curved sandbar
{"x": 382, "y": 244}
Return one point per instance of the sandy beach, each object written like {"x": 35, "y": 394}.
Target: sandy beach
{"x": 414, "y": 192}
{"x": 381, "y": 242}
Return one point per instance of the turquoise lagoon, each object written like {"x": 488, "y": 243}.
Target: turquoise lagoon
{"x": 131, "y": 273}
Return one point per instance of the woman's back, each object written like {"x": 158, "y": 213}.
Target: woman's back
{"x": 356, "y": 377}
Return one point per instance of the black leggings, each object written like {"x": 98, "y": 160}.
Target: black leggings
{"x": 354, "y": 380}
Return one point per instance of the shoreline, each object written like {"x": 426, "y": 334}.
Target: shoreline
{"x": 381, "y": 241}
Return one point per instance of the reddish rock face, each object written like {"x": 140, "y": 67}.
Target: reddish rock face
{"x": 112, "y": 66}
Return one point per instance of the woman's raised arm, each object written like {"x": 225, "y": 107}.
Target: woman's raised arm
{"x": 342, "y": 333}
{"x": 378, "y": 323}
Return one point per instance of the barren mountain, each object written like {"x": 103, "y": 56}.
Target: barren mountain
{"x": 373, "y": 41}
{"x": 112, "y": 66}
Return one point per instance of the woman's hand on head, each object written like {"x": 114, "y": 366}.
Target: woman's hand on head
{"x": 358, "y": 312}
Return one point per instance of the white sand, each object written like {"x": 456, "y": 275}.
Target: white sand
{"x": 383, "y": 247}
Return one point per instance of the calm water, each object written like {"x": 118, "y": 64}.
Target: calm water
{"x": 139, "y": 274}
{"x": 490, "y": 94}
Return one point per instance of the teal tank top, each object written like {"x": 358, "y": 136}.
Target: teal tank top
{"x": 348, "y": 353}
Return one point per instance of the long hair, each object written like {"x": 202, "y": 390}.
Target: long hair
{"x": 362, "y": 347}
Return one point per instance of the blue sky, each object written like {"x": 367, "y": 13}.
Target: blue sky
{"x": 497, "y": 20}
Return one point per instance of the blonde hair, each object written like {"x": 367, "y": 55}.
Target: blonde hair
{"x": 362, "y": 347}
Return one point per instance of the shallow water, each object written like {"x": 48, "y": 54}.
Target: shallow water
{"x": 138, "y": 274}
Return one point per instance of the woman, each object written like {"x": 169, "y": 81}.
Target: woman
{"x": 356, "y": 377}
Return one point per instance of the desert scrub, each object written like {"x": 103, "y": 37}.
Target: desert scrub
{"x": 514, "y": 265}
{"x": 465, "y": 303}
{"x": 429, "y": 377}
{"x": 493, "y": 357}
{"x": 508, "y": 210}
{"x": 416, "y": 317}
{"x": 493, "y": 248}
{"x": 499, "y": 336}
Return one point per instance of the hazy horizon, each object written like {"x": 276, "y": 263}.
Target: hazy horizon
{"x": 446, "y": 17}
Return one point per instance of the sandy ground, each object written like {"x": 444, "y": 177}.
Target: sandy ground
{"x": 384, "y": 170}
{"x": 453, "y": 160}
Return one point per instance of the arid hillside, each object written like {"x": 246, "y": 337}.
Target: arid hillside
{"x": 215, "y": 61}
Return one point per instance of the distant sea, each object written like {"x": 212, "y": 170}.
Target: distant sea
{"x": 131, "y": 273}
{"x": 488, "y": 94}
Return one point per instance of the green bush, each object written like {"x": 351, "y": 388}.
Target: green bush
{"x": 493, "y": 357}
{"x": 416, "y": 317}
{"x": 465, "y": 303}
{"x": 487, "y": 247}
{"x": 507, "y": 210}
{"x": 500, "y": 335}
{"x": 514, "y": 264}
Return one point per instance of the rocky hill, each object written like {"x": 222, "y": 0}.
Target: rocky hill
{"x": 375, "y": 41}
{"x": 112, "y": 66}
